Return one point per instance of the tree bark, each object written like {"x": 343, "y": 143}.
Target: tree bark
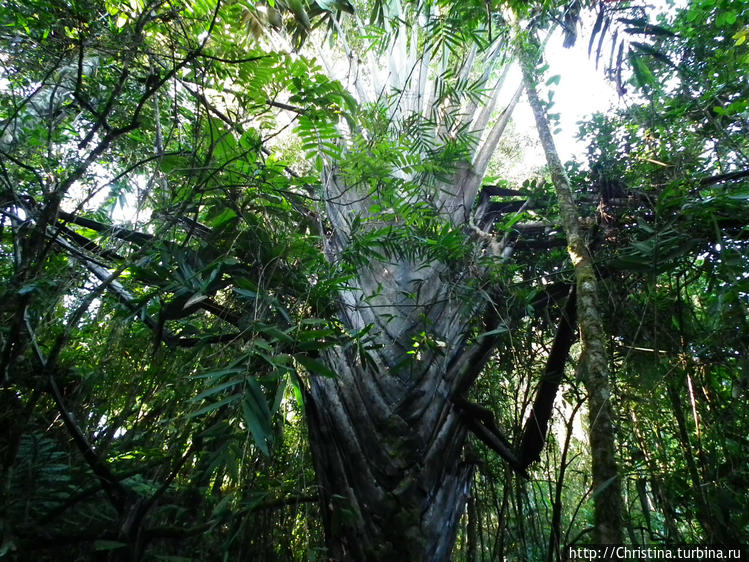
{"x": 593, "y": 362}
{"x": 386, "y": 437}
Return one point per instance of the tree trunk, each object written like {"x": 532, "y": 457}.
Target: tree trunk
{"x": 593, "y": 363}
{"x": 387, "y": 493}
{"x": 386, "y": 438}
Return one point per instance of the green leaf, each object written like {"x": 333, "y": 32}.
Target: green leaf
{"x": 726, "y": 18}
{"x": 296, "y": 387}
{"x": 223, "y": 218}
{"x": 739, "y": 196}
{"x": 656, "y": 54}
{"x": 314, "y": 366}
{"x": 215, "y": 406}
{"x": 28, "y": 289}
{"x": 219, "y": 373}
{"x": 246, "y": 293}
{"x": 218, "y": 388}
{"x": 100, "y": 545}
{"x": 643, "y": 75}
{"x": 495, "y": 332}
{"x": 257, "y": 415}
{"x": 280, "y": 391}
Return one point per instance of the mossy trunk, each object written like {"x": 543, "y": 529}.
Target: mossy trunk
{"x": 594, "y": 360}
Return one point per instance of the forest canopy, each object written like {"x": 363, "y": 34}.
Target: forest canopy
{"x": 269, "y": 293}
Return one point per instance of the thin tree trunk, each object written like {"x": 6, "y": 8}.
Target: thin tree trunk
{"x": 594, "y": 364}
{"x": 555, "y": 533}
{"x": 659, "y": 493}
{"x": 718, "y": 530}
{"x": 472, "y": 541}
{"x": 498, "y": 548}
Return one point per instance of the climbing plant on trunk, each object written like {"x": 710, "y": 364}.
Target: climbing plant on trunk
{"x": 593, "y": 364}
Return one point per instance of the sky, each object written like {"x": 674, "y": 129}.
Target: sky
{"x": 581, "y": 91}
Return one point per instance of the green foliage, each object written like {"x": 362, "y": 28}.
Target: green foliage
{"x": 174, "y": 337}
{"x": 676, "y": 273}
{"x": 165, "y": 297}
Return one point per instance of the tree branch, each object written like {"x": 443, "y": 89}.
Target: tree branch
{"x": 480, "y": 421}
{"x": 724, "y": 177}
{"x": 536, "y": 426}
{"x": 110, "y": 483}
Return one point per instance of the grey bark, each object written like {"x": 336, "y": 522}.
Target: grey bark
{"x": 386, "y": 437}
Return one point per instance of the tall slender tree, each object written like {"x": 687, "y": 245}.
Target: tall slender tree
{"x": 594, "y": 363}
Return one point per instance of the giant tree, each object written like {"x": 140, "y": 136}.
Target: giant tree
{"x": 400, "y": 191}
